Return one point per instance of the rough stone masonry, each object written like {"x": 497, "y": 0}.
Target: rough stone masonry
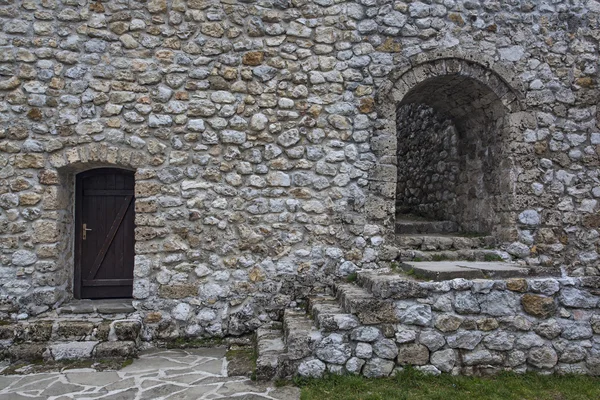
{"x": 264, "y": 141}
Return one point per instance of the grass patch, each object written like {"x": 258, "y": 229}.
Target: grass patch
{"x": 127, "y": 362}
{"x": 242, "y": 361}
{"x": 351, "y": 278}
{"x": 439, "y": 257}
{"x": 489, "y": 257}
{"x": 412, "y": 385}
{"x": 186, "y": 343}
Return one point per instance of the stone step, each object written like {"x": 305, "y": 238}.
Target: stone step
{"x": 417, "y": 226}
{"x": 454, "y": 255}
{"x": 269, "y": 349}
{"x": 368, "y": 309}
{"x": 331, "y": 318}
{"x": 431, "y": 242}
{"x": 314, "y": 301}
{"x": 69, "y": 339}
{"x": 97, "y": 307}
{"x": 445, "y": 270}
{"x": 300, "y": 334}
{"x": 390, "y": 286}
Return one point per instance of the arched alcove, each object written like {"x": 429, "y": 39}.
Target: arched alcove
{"x": 451, "y": 119}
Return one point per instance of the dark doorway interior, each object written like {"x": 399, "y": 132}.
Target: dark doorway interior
{"x": 104, "y": 234}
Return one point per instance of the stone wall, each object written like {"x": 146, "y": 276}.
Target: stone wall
{"x": 478, "y": 327}
{"x": 428, "y": 163}
{"x": 264, "y": 142}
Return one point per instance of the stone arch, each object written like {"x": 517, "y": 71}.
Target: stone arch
{"x": 58, "y": 181}
{"x": 478, "y": 107}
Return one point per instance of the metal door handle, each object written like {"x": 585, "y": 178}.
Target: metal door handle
{"x": 84, "y": 231}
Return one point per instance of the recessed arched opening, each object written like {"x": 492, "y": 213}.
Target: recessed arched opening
{"x": 453, "y": 157}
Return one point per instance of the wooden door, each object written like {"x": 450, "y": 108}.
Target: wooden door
{"x": 104, "y": 229}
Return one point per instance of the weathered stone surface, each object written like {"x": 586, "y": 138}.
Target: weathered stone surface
{"x": 365, "y": 334}
{"x": 275, "y": 146}
{"x": 499, "y": 340}
{"x": 378, "y": 368}
{"x": 416, "y": 315}
{"x": 448, "y": 322}
{"x": 464, "y": 340}
{"x": 432, "y": 339}
{"x": 354, "y": 365}
{"x": 542, "y": 357}
{"x": 412, "y": 354}
{"x": 115, "y": 350}
{"x": 332, "y": 349}
{"x": 311, "y": 369}
{"x": 386, "y": 349}
{"x": 538, "y": 306}
{"x": 178, "y": 291}
{"x": 573, "y": 297}
{"x": 444, "y": 360}
{"x": 72, "y": 350}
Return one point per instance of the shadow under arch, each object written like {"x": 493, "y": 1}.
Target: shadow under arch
{"x": 452, "y": 122}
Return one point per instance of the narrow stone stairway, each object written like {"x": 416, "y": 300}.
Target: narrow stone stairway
{"x": 282, "y": 349}
{"x": 423, "y": 240}
{"x": 324, "y": 329}
{"x": 383, "y": 321}
{"x": 438, "y": 250}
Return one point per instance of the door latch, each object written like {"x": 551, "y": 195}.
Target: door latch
{"x": 84, "y": 231}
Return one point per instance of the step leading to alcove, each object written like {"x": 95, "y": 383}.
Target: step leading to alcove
{"x": 446, "y": 270}
{"x": 409, "y": 225}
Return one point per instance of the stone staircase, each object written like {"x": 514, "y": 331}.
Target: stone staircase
{"x": 371, "y": 302}
{"x": 81, "y": 329}
{"x": 418, "y": 239}
{"x": 282, "y": 347}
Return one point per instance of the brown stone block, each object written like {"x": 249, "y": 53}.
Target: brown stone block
{"x": 27, "y": 352}
{"x": 178, "y": 291}
{"x": 146, "y": 189}
{"x": 7, "y": 331}
{"x": 40, "y": 331}
{"x": 412, "y": 354}
{"x": 74, "y": 329}
{"x": 46, "y": 231}
{"x": 24, "y": 161}
{"x": 153, "y": 317}
{"x": 127, "y": 330}
{"x": 538, "y": 306}
{"x": 591, "y": 221}
{"x": 29, "y": 199}
{"x": 253, "y": 58}
{"x": 115, "y": 350}
{"x": 517, "y": 285}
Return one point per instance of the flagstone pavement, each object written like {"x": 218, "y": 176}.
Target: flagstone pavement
{"x": 194, "y": 374}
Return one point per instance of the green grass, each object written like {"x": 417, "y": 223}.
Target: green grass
{"x": 351, "y": 278}
{"x": 189, "y": 343}
{"x": 412, "y": 385}
{"x": 439, "y": 257}
{"x": 491, "y": 257}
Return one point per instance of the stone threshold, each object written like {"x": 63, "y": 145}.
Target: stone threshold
{"x": 99, "y": 306}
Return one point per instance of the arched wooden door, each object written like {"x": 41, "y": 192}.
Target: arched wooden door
{"x": 104, "y": 232}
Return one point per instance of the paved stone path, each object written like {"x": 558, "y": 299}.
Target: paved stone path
{"x": 194, "y": 374}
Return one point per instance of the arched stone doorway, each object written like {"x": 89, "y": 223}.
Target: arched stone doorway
{"x": 453, "y": 121}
